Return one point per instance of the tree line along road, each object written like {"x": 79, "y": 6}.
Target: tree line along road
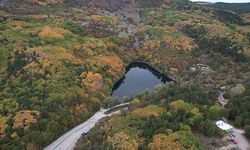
{"x": 69, "y": 139}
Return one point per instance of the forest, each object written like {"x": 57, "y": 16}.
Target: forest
{"x": 59, "y": 61}
{"x": 237, "y": 7}
{"x": 238, "y": 107}
{"x": 163, "y": 119}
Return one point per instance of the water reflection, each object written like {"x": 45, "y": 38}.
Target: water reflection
{"x": 138, "y": 77}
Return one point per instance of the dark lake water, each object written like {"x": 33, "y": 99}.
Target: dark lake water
{"x": 138, "y": 77}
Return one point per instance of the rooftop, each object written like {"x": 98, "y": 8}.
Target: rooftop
{"x": 224, "y": 126}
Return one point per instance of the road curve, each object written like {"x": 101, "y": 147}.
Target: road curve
{"x": 243, "y": 143}
{"x": 69, "y": 139}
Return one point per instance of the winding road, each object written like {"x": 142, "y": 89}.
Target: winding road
{"x": 69, "y": 139}
{"x": 243, "y": 143}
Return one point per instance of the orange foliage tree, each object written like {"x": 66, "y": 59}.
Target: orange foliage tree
{"x": 80, "y": 112}
{"x": 182, "y": 43}
{"x": 114, "y": 63}
{"x": 94, "y": 81}
{"x": 24, "y": 118}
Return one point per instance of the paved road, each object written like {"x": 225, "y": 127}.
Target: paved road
{"x": 69, "y": 139}
{"x": 243, "y": 143}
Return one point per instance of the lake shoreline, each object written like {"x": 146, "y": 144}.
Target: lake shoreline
{"x": 140, "y": 75}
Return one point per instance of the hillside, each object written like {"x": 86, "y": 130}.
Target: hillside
{"x": 60, "y": 59}
{"x": 236, "y": 7}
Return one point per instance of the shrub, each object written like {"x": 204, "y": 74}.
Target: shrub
{"x": 73, "y": 27}
{"x": 49, "y": 33}
{"x": 110, "y": 102}
{"x": 1, "y": 19}
{"x": 237, "y": 90}
{"x": 247, "y": 131}
{"x": 116, "y": 40}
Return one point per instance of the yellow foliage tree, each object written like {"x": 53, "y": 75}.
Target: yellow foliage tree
{"x": 33, "y": 69}
{"x": 50, "y": 33}
{"x": 95, "y": 45}
{"x": 151, "y": 110}
{"x": 122, "y": 141}
{"x": 104, "y": 19}
{"x": 180, "y": 105}
{"x": 151, "y": 44}
{"x": 3, "y": 125}
{"x": 237, "y": 90}
{"x": 48, "y": 2}
{"x": 165, "y": 142}
{"x": 81, "y": 51}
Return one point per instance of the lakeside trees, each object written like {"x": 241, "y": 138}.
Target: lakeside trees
{"x": 168, "y": 123}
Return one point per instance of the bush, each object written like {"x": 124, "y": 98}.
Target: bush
{"x": 238, "y": 121}
{"x": 181, "y": 4}
{"x": 73, "y": 27}
{"x": 230, "y": 17}
{"x": 116, "y": 40}
{"x": 237, "y": 90}
{"x": 1, "y": 19}
{"x": 247, "y": 131}
{"x": 208, "y": 128}
{"x": 50, "y": 33}
{"x": 155, "y": 32}
{"x": 110, "y": 102}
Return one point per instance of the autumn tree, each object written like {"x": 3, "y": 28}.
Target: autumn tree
{"x": 48, "y": 33}
{"x": 25, "y": 118}
{"x": 122, "y": 141}
{"x": 151, "y": 110}
{"x": 94, "y": 81}
{"x": 114, "y": 64}
{"x": 165, "y": 142}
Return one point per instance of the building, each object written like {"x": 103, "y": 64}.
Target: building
{"x": 224, "y": 126}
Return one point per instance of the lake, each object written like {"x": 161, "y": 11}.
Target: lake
{"x": 138, "y": 77}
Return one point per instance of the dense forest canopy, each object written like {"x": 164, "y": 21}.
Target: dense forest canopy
{"x": 236, "y": 7}
{"x": 60, "y": 59}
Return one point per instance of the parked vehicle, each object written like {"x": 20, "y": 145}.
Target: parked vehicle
{"x": 234, "y": 141}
